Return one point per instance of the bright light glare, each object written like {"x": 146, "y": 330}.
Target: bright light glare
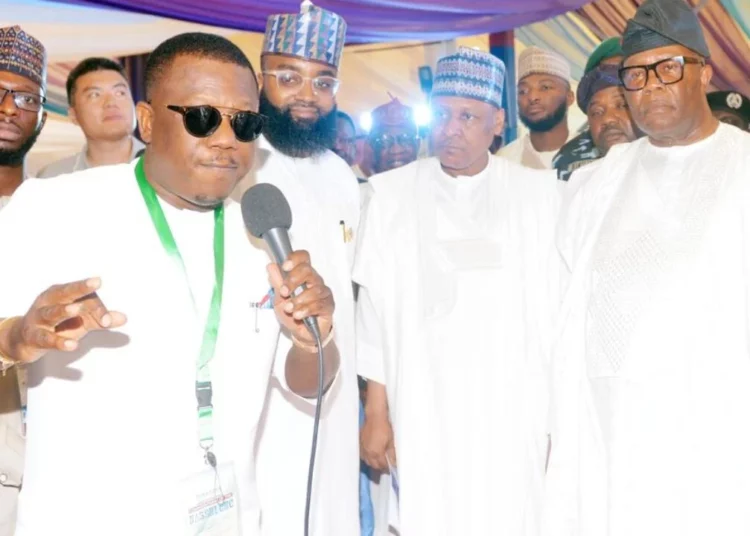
{"x": 422, "y": 115}
{"x": 365, "y": 121}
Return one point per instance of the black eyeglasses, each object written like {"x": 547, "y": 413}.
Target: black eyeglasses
{"x": 202, "y": 121}
{"x": 386, "y": 141}
{"x": 668, "y": 71}
{"x": 24, "y": 100}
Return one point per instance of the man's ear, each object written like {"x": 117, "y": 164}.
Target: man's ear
{"x": 707, "y": 73}
{"x": 72, "y": 116}
{"x": 145, "y": 114}
{"x": 499, "y": 122}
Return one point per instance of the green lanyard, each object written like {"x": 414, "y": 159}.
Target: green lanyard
{"x": 203, "y": 389}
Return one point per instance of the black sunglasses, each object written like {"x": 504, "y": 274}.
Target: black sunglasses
{"x": 202, "y": 121}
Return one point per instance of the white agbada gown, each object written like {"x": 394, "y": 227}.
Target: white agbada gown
{"x": 652, "y": 394}
{"x": 112, "y": 427}
{"x": 522, "y": 151}
{"x": 454, "y": 315}
{"x": 324, "y": 197}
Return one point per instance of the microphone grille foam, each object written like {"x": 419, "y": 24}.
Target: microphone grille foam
{"x": 264, "y": 207}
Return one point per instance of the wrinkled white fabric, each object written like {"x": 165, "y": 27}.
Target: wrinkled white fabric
{"x": 454, "y": 315}
{"x": 651, "y": 394}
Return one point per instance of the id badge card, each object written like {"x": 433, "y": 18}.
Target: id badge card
{"x": 210, "y": 504}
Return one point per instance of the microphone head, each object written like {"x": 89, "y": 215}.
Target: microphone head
{"x": 264, "y": 207}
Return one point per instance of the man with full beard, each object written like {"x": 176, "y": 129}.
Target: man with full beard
{"x": 300, "y": 58}
{"x": 544, "y": 96}
{"x": 23, "y": 73}
{"x": 22, "y": 87}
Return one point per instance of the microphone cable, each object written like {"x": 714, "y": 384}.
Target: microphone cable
{"x": 316, "y": 426}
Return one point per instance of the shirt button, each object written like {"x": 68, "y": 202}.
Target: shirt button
{"x": 3, "y": 478}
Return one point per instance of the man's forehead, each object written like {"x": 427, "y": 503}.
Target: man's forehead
{"x": 101, "y": 78}
{"x": 541, "y": 78}
{"x": 193, "y": 80}
{"x": 657, "y": 54}
{"x": 10, "y": 80}
{"x": 394, "y": 129}
{"x": 607, "y": 94}
{"x": 461, "y": 104}
{"x": 315, "y": 68}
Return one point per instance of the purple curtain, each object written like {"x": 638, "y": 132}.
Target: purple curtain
{"x": 135, "y": 67}
{"x": 368, "y": 20}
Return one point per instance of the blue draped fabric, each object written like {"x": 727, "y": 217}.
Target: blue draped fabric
{"x": 366, "y": 513}
{"x": 368, "y": 20}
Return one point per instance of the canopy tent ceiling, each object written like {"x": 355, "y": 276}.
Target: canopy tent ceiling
{"x": 71, "y": 33}
{"x": 368, "y": 20}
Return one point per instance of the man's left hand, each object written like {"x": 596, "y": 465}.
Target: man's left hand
{"x": 315, "y": 300}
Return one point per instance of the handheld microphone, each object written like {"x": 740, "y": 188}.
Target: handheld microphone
{"x": 267, "y": 216}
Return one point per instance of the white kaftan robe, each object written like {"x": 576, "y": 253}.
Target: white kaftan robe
{"x": 11, "y": 443}
{"x": 521, "y": 151}
{"x": 454, "y": 317}
{"x": 324, "y": 197}
{"x": 112, "y": 428}
{"x": 652, "y": 394}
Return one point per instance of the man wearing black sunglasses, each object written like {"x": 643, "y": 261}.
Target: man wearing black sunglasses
{"x": 652, "y": 401}
{"x": 300, "y": 61}
{"x": 147, "y": 424}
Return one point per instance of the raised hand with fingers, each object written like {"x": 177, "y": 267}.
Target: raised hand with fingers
{"x": 61, "y": 316}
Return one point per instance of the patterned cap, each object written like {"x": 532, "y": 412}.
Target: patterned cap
{"x": 393, "y": 114}
{"x": 312, "y": 34}
{"x": 22, "y": 54}
{"x": 472, "y": 74}
{"x": 593, "y": 82}
{"x": 534, "y": 60}
{"x": 663, "y": 23}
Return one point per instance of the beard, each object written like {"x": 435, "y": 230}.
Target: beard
{"x": 15, "y": 157}
{"x": 545, "y": 124}
{"x": 298, "y": 139}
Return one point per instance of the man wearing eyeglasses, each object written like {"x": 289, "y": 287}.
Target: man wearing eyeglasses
{"x": 650, "y": 433}
{"x": 393, "y": 137}
{"x": 23, "y": 73}
{"x": 300, "y": 66}
{"x": 146, "y": 423}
